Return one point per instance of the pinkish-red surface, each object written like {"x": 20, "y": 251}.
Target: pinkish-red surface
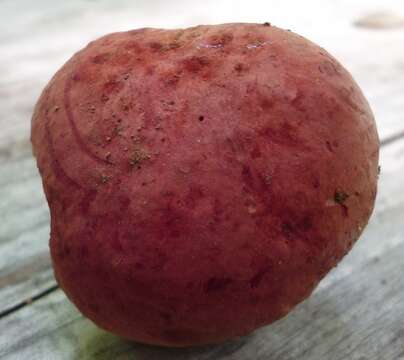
{"x": 201, "y": 181}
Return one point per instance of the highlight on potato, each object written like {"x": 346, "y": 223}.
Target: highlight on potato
{"x": 201, "y": 181}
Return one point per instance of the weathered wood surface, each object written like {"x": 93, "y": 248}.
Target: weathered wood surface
{"x": 37, "y": 41}
{"x": 356, "y": 312}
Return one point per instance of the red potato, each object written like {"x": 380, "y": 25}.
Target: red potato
{"x": 201, "y": 182}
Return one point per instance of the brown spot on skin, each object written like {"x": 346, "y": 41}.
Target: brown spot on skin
{"x": 340, "y": 196}
{"x": 267, "y": 24}
{"x": 137, "y": 158}
{"x": 104, "y": 178}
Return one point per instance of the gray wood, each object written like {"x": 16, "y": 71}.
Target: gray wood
{"x": 359, "y": 315}
{"x": 36, "y": 41}
{"x": 24, "y": 231}
{"x": 356, "y": 311}
{"x": 36, "y": 37}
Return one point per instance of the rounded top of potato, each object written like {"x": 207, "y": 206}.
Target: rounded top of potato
{"x": 213, "y": 174}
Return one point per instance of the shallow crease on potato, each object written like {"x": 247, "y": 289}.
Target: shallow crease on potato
{"x": 201, "y": 182}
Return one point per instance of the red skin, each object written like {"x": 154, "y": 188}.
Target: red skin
{"x": 201, "y": 182}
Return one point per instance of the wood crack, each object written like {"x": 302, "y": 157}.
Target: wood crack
{"x": 28, "y": 301}
{"x": 392, "y": 138}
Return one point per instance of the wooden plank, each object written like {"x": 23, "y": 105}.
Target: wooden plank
{"x": 23, "y": 211}
{"x": 24, "y": 261}
{"x": 25, "y": 267}
{"x": 357, "y": 309}
{"x": 359, "y": 316}
{"x": 37, "y": 41}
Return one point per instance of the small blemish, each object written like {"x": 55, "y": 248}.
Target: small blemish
{"x": 104, "y": 179}
{"x": 268, "y": 178}
{"x": 138, "y": 156}
{"x": 239, "y": 67}
{"x": 340, "y": 196}
{"x": 329, "y": 146}
{"x": 201, "y": 118}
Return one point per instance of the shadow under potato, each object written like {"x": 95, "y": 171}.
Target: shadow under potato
{"x": 308, "y": 332}
{"x": 102, "y": 345}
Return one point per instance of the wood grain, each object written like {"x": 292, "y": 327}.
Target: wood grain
{"x": 355, "y": 312}
{"x": 357, "y": 316}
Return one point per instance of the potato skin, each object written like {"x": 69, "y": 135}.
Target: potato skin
{"x": 201, "y": 182}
